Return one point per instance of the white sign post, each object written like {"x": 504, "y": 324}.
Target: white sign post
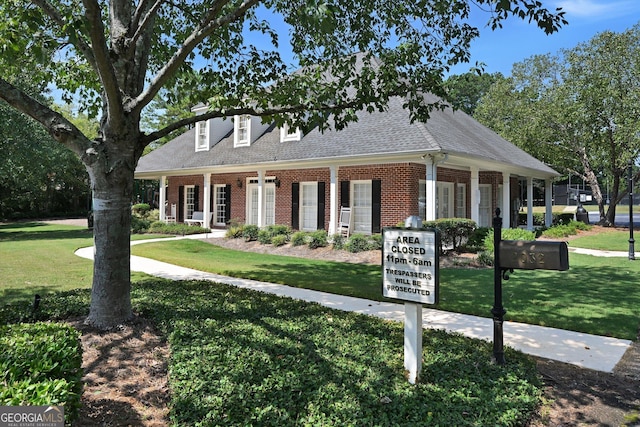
{"x": 410, "y": 272}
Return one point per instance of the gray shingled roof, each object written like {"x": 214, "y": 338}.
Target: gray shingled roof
{"x": 389, "y": 133}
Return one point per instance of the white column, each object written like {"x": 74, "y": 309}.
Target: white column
{"x": 413, "y": 340}
{"x": 506, "y": 200}
{"x": 333, "y": 200}
{"x": 529, "y": 203}
{"x": 548, "y": 196}
{"x": 206, "y": 211}
{"x": 260, "y": 198}
{"x": 430, "y": 193}
{"x": 475, "y": 195}
{"x": 163, "y": 198}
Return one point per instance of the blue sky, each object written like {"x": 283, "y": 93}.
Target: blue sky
{"x": 518, "y": 39}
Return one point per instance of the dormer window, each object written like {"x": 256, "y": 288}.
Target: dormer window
{"x": 242, "y": 131}
{"x": 286, "y": 134}
{"x": 202, "y": 136}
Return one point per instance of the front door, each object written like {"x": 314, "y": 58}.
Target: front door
{"x": 220, "y": 205}
{"x": 269, "y": 203}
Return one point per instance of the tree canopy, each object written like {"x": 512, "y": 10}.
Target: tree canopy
{"x": 577, "y": 110}
{"x": 464, "y": 91}
{"x": 38, "y": 177}
{"x": 117, "y": 56}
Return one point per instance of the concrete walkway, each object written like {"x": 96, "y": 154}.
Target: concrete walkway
{"x": 584, "y": 350}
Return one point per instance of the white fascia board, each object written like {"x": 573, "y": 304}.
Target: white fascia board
{"x": 453, "y": 161}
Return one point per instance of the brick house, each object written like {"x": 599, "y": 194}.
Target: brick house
{"x": 383, "y": 167}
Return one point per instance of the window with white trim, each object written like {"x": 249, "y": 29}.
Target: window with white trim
{"x": 287, "y": 135}
{"x": 422, "y": 199}
{"x": 444, "y": 200}
{"x": 484, "y": 210}
{"x": 189, "y": 200}
{"x": 461, "y": 201}
{"x": 268, "y": 201}
{"x": 361, "y": 205}
{"x": 309, "y": 206}
{"x": 202, "y": 136}
{"x": 242, "y": 130}
{"x": 220, "y": 204}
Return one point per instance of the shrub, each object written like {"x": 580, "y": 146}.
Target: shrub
{"x": 250, "y": 232}
{"x": 139, "y": 225}
{"x": 338, "y": 241}
{"x": 508, "y": 234}
{"x": 454, "y": 232}
{"x": 564, "y": 230}
{"x": 264, "y": 236}
{"x": 485, "y": 258}
{"x": 160, "y": 227}
{"x": 279, "y": 229}
{"x": 318, "y": 239}
{"x": 234, "y": 232}
{"x": 562, "y": 218}
{"x": 41, "y": 365}
{"x": 579, "y": 225}
{"x": 475, "y": 242}
{"x": 357, "y": 243}
{"x": 299, "y": 238}
{"x": 141, "y": 209}
{"x": 375, "y": 242}
{"x": 235, "y": 222}
{"x": 557, "y": 231}
{"x": 279, "y": 240}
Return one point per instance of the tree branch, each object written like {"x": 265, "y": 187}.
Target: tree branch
{"x": 148, "y": 138}
{"x": 141, "y": 26}
{"x": 76, "y": 40}
{"x": 61, "y": 129}
{"x": 190, "y": 43}
{"x": 104, "y": 66}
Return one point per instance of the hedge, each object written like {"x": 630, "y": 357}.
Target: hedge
{"x": 41, "y": 364}
{"x": 454, "y": 232}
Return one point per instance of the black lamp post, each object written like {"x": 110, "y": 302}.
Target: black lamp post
{"x": 632, "y": 255}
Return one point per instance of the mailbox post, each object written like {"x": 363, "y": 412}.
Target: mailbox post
{"x": 498, "y": 310}
{"x": 510, "y": 255}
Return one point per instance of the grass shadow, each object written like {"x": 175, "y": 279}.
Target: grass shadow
{"x": 41, "y": 231}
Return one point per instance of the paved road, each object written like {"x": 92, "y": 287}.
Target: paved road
{"x": 622, "y": 220}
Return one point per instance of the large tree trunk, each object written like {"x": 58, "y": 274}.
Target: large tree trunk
{"x": 110, "y": 291}
{"x": 112, "y": 178}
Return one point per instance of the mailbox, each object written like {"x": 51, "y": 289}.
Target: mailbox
{"x": 534, "y": 255}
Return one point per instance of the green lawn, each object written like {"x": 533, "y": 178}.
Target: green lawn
{"x": 597, "y": 295}
{"x": 38, "y": 258}
{"x": 609, "y": 240}
{"x": 249, "y": 358}
{"x": 576, "y": 299}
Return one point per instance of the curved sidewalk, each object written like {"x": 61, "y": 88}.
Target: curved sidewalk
{"x": 584, "y": 350}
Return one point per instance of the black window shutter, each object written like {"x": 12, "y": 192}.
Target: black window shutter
{"x": 212, "y": 196}
{"x": 344, "y": 194}
{"x": 181, "y": 203}
{"x": 376, "y": 198}
{"x": 227, "y": 203}
{"x": 321, "y": 195}
{"x": 295, "y": 205}
{"x": 196, "y": 198}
